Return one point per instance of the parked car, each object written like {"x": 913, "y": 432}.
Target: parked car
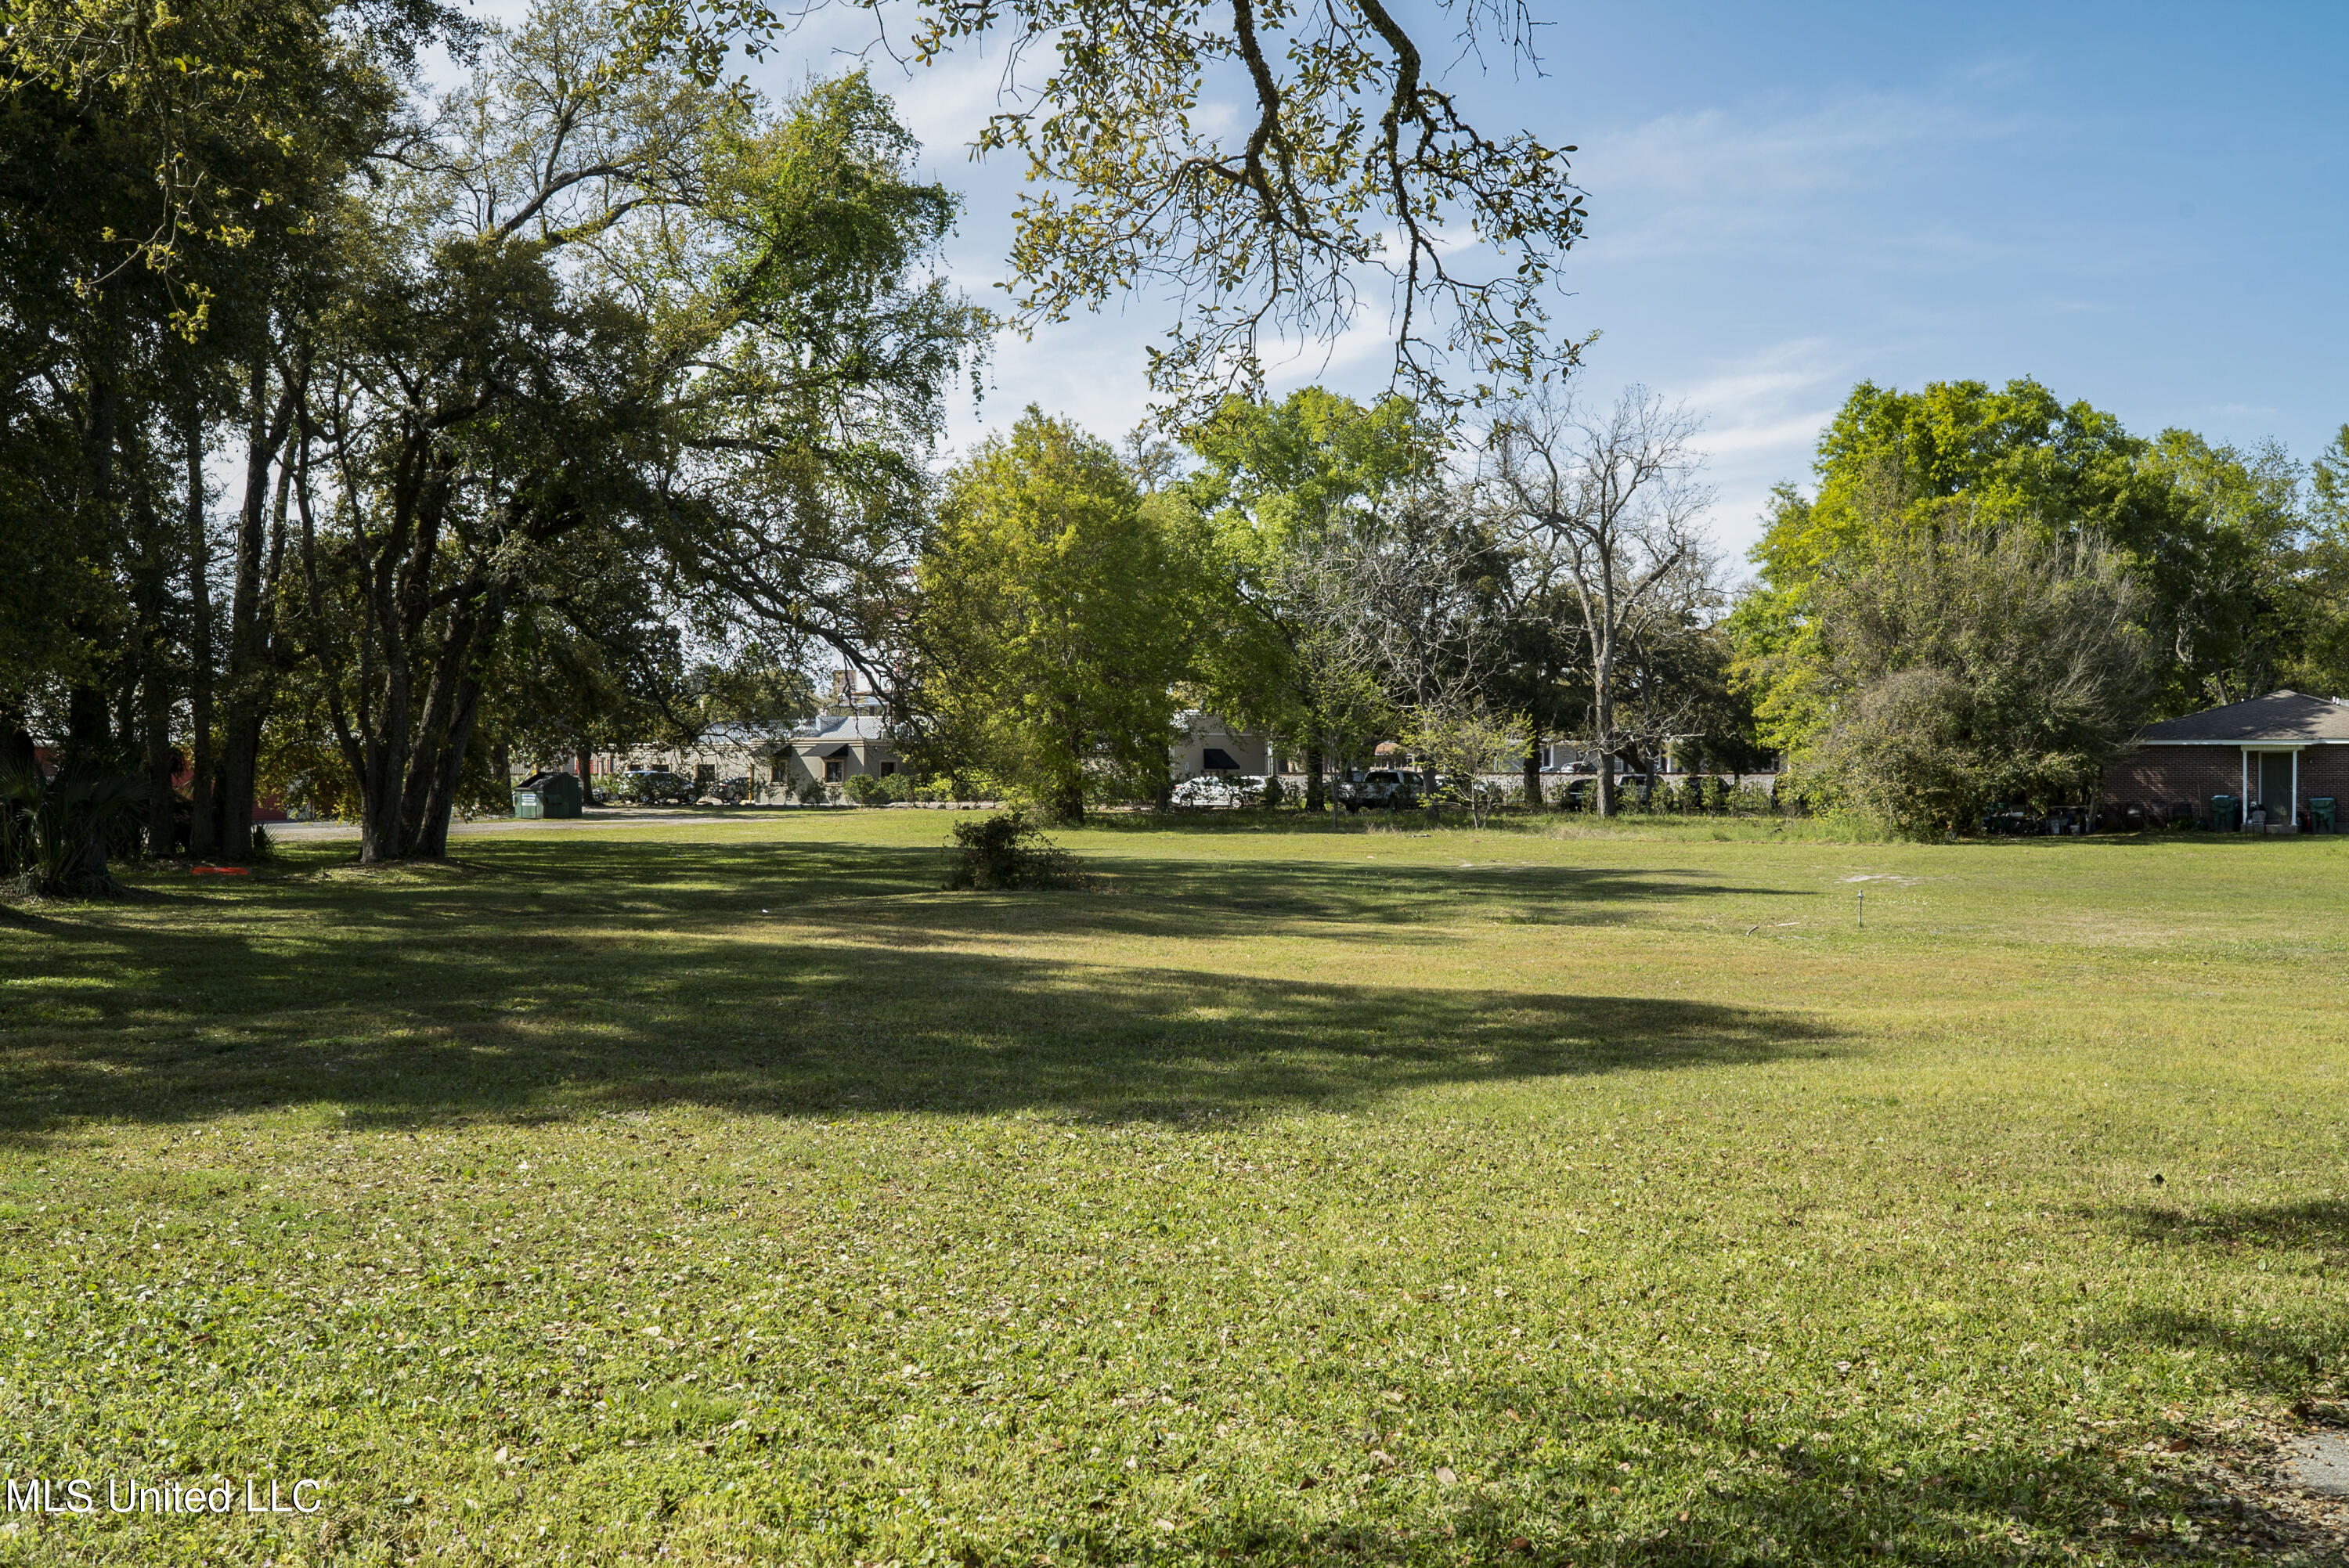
{"x": 1582, "y": 794}
{"x": 1388, "y": 789}
{"x": 657, "y": 787}
{"x": 1199, "y": 794}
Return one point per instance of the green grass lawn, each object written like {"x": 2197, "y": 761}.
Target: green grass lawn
{"x": 723, "y": 1192}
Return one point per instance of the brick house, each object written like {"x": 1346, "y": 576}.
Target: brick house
{"x": 2272, "y": 755}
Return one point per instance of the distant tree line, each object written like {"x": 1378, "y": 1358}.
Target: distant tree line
{"x": 1985, "y": 595}
{"x": 1334, "y": 574}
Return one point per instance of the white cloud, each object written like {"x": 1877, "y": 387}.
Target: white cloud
{"x": 1723, "y": 179}
{"x": 1852, "y": 142}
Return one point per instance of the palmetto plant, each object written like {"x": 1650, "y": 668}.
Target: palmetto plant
{"x": 54, "y": 831}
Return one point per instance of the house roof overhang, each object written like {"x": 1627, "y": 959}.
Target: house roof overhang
{"x": 2281, "y": 720}
{"x": 2253, "y": 745}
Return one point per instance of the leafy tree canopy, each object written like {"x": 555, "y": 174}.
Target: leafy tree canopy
{"x": 2207, "y": 530}
{"x": 1056, "y": 621}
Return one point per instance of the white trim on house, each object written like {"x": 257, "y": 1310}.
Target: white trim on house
{"x": 2271, "y": 748}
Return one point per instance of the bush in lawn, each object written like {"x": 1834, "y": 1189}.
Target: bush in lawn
{"x": 1008, "y": 851}
{"x": 1969, "y": 667}
{"x": 879, "y": 790}
{"x": 972, "y": 784}
{"x": 1273, "y": 793}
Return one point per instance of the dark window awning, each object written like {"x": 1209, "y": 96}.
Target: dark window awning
{"x": 1218, "y": 760}
{"x": 843, "y": 751}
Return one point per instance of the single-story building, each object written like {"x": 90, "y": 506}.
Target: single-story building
{"x": 1209, "y": 745}
{"x": 775, "y": 762}
{"x": 833, "y": 747}
{"x": 2270, "y": 756}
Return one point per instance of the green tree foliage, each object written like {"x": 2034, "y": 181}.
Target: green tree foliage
{"x": 2321, "y": 587}
{"x": 1286, "y": 487}
{"x": 1056, "y": 618}
{"x": 2209, "y": 534}
{"x": 578, "y": 362}
{"x": 622, "y": 346}
{"x": 166, "y": 182}
{"x": 1971, "y": 668}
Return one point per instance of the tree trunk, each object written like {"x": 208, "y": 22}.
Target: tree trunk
{"x": 1533, "y": 771}
{"x": 1067, "y": 801}
{"x": 400, "y": 602}
{"x": 149, "y": 577}
{"x": 385, "y": 734}
{"x": 88, "y": 733}
{"x": 200, "y": 647}
{"x": 1603, "y": 727}
{"x": 89, "y": 736}
{"x": 432, "y": 833}
{"x": 379, "y": 801}
{"x": 470, "y": 627}
{"x": 251, "y": 681}
{"x": 321, "y": 651}
{"x": 156, "y": 755}
{"x": 1313, "y": 792}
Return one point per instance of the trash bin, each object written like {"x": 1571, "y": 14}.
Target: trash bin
{"x": 2226, "y": 813}
{"x": 548, "y": 795}
{"x": 2320, "y": 814}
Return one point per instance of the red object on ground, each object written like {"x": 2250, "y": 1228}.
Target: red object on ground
{"x": 219, "y": 872}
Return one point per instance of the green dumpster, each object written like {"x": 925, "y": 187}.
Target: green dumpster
{"x": 2320, "y": 814}
{"x": 548, "y": 795}
{"x": 2226, "y": 813}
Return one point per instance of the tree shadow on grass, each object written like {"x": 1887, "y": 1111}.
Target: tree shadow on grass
{"x": 687, "y": 886}
{"x": 540, "y": 977}
{"x": 1590, "y": 1475}
{"x": 2319, "y": 1222}
{"x": 827, "y": 1030}
{"x": 2282, "y": 1354}
{"x": 2279, "y": 1354}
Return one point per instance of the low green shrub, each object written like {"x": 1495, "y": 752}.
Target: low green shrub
{"x": 1008, "y": 851}
{"x": 879, "y": 788}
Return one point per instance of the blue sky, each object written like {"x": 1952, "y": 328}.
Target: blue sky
{"x": 2142, "y": 205}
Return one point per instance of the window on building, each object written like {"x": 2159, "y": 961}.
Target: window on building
{"x": 834, "y": 769}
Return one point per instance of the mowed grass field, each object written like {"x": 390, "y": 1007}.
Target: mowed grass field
{"x": 722, "y": 1191}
